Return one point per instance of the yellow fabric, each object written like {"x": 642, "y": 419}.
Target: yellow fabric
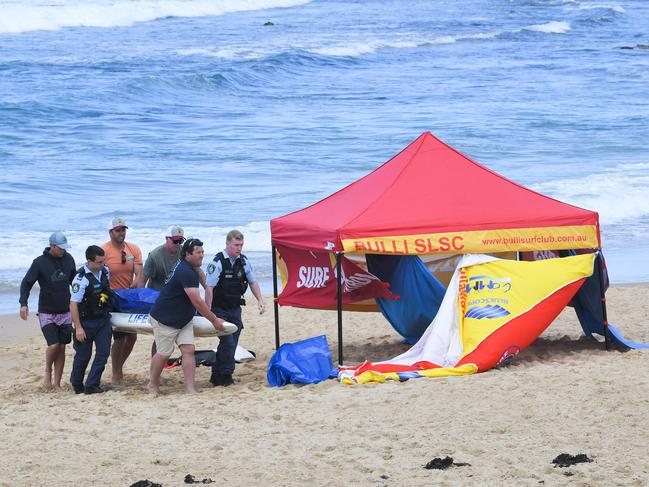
{"x": 510, "y": 288}
{"x": 479, "y": 241}
{"x": 466, "y": 369}
{"x": 378, "y": 377}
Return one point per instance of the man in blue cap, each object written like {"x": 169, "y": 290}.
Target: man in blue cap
{"x": 54, "y": 271}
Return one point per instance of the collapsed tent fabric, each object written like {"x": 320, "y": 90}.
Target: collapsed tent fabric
{"x": 492, "y": 310}
{"x": 420, "y": 293}
{"x": 304, "y": 362}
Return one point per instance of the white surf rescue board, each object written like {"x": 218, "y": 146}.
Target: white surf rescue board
{"x": 139, "y": 323}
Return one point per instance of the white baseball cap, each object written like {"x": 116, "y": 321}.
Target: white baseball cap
{"x": 175, "y": 231}
{"x": 117, "y": 222}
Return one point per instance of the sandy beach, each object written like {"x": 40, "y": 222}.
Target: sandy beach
{"x": 564, "y": 394}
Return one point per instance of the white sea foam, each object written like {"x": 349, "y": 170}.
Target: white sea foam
{"x": 16, "y": 17}
{"x": 22, "y": 247}
{"x": 357, "y": 49}
{"x": 552, "y": 27}
{"x": 596, "y": 6}
{"x": 618, "y": 194}
{"x": 351, "y": 49}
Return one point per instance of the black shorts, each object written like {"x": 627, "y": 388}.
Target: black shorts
{"x": 57, "y": 333}
{"x": 118, "y": 335}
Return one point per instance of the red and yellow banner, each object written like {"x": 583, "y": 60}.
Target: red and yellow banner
{"x": 479, "y": 241}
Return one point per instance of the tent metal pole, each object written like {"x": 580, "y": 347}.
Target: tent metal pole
{"x": 339, "y": 297}
{"x": 275, "y": 304}
{"x": 602, "y": 292}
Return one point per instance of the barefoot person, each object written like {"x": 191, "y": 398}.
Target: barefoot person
{"x": 124, "y": 261}
{"x": 54, "y": 271}
{"x": 90, "y": 306}
{"x": 172, "y": 313}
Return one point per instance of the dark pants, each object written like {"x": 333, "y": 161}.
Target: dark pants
{"x": 98, "y": 331}
{"x": 224, "y": 364}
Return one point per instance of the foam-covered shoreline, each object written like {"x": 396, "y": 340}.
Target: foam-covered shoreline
{"x": 564, "y": 394}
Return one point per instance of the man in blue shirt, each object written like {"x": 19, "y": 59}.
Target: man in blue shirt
{"x": 172, "y": 313}
{"x": 228, "y": 277}
{"x": 89, "y": 306}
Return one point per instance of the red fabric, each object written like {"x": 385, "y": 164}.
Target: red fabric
{"x": 517, "y": 334}
{"x": 428, "y": 187}
{"x": 312, "y": 280}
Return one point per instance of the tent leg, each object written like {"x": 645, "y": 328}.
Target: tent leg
{"x": 339, "y": 297}
{"x": 275, "y": 305}
{"x": 602, "y": 292}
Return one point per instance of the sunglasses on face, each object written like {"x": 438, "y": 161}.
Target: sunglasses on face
{"x": 177, "y": 240}
{"x": 123, "y": 257}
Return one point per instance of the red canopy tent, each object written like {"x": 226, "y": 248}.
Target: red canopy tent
{"x": 431, "y": 199}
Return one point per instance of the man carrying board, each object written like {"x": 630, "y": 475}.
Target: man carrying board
{"x": 172, "y": 313}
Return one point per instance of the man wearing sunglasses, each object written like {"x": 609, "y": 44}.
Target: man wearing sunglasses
{"x": 162, "y": 260}
{"x": 124, "y": 261}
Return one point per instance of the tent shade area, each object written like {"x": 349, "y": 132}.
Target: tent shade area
{"x": 415, "y": 215}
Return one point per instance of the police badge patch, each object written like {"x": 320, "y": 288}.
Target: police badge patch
{"x": 211, "y": 268}
{"x": 75, "y": 287}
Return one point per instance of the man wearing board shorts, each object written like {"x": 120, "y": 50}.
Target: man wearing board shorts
{"x": 124, "y": 260}
{"x": 54, "y": 271}
{"x": 172, "y": 313}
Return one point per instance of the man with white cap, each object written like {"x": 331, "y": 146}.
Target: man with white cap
{"x": 54, "y": 270}
{"x": 162, "y": 260}
{"x": 124, "y": 261}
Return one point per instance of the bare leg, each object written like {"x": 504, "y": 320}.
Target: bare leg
{"x": 50, "y": 357}
{"x": 120, "y": 351}
{"x": 189, "y": 367}
{"x": 157, "y": 364}
{"x": 59, "y": 363}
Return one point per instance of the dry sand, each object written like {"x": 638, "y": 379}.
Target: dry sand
{"x": 564, "y": 394}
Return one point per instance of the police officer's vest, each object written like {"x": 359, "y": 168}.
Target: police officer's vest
{"x": 97, "y": 298}
{"x": 232, "y": 283}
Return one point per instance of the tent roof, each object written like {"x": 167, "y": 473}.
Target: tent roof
{"x": 428, "y": 188}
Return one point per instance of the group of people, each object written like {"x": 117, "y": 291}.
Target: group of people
{"x": 75, "y": 304}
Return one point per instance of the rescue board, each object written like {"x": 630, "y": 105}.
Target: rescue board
{"x": 139, "y": 323}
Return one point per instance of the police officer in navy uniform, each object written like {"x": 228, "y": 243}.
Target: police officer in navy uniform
{"x": 228, "y": 278}
{"x": 90, "y": 304}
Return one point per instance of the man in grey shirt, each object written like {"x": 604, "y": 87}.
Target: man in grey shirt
{"x": 162, "y": 260}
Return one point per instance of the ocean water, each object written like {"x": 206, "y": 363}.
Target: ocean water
{"x": 201, "y": 113}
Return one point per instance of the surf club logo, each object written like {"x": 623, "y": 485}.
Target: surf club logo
{"x": 311, "y": 277}
{"x": 508, "y": 355}
{"x": 488, "y": 311}
{"x": 479, "y": 284}
{"x": 486, "y": 297}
